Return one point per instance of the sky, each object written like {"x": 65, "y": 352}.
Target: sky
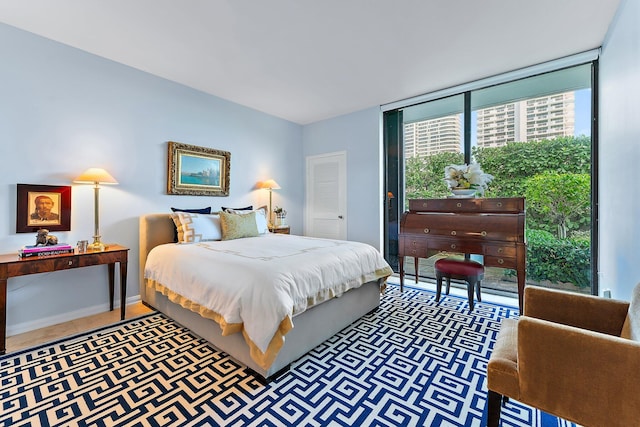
{"x": 583, "y": 112}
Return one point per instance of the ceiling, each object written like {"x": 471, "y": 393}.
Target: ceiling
{"x": 305, "y": 60}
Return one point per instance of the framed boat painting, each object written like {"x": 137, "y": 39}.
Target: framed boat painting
{"x": 197, "y": 171}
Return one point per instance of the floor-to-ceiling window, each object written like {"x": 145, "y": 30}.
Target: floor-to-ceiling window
{"x": 535, "y": 135}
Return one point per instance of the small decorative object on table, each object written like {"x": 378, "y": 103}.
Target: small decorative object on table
{"x": 281, "y": 216}
{"x": 46, "y": 245}
{"x": 466, "y": 180}
{"x": 43, "y": 238}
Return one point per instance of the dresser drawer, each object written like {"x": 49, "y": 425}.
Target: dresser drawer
{"x": 483, "y": 227}
{"x": 513, "y": 205}
{"x": 415, "y": 247}
{"x": 500, "y": 251}
{"x": 445, "y": 205}
{"x": 503, "y": 262}
{"x": 65, "y": 263}
{"x": 455, "y": 245}
{"x": 497, "y": 205}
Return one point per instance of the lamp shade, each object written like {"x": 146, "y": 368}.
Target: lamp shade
{"x": 269, "y": 184}
{"x": 95, "y": 176}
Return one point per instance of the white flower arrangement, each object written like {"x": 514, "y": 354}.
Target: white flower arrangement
{"x": 279, "y": 212}
{"x": 467, "y": 176}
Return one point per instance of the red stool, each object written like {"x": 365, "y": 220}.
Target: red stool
{"x": 451, "y": 268}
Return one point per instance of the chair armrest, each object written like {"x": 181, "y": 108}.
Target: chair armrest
{"x": 582, "y": 311}
{"x": 584, "y": 376}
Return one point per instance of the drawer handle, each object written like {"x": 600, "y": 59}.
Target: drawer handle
{"x": 414, "y": 251}
{"x": 459, "y": 204}
{"x": 500, "y": 261}
{"x": 453, "y": 246}
{"x": 453, "y": 233}
{"x": 70, "y": 262}
{"x": 483, "y": 233}
{"x": 499, "y": 250}
{"x": 424, "y": 205}
{"x": 414, "y": 243}
{"x": 426, "y": 231}
{"x": 499, "y": 204}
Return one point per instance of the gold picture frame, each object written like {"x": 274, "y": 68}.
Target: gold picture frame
{"x": 198, "y": 171}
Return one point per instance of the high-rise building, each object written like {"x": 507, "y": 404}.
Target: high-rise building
{"x": 545, "y": 117}
{"x": 428, "y": 137}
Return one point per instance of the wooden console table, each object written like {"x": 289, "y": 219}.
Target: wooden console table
{"x": 493, "y": 228}
{"x": 12, "y": 266}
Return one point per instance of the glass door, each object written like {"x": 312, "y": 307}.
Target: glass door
{"x": 534, "y": 135}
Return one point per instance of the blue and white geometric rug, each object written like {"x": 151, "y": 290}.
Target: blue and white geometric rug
{"x": 411, "y": 363}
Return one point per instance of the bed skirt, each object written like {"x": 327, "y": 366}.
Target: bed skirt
{"x": 311, "y": 327}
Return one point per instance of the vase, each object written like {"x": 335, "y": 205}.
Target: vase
{"x": 463, "y": 192}
{"x": 281, "y": 220}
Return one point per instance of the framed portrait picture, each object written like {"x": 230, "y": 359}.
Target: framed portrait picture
{"x": 43, "y": 206}
{"x": 198, "y": 171}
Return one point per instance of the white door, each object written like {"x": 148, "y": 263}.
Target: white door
{"x": 326, "y": 190}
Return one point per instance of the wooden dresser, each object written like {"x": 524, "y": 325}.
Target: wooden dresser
{"x": 493, "y": 228}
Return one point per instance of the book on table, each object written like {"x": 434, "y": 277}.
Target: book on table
{"x": 48, "y": 250}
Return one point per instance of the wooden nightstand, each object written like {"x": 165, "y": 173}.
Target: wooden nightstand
{"x": 11, "y": 266}
{"x": 280, "y": 230}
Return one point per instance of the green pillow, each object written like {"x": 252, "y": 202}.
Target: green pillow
{"x": 236, "y": 226}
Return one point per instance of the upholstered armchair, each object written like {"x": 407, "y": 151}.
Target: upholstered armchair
{"x": 566, "y": 356}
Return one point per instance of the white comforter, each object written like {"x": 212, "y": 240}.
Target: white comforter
{"x": 259, "y": 281}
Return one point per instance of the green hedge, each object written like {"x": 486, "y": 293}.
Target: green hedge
{"x": 558, "y": 260}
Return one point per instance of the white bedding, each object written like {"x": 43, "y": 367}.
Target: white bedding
{"x": 260, "y": 283}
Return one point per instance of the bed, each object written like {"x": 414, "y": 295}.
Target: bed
{"x": 313, "y": 321}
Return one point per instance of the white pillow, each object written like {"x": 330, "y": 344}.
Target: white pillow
{"x": 261, "y": 218}
{"x": 193, "y": 228}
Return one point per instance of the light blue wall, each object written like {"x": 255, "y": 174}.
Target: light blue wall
{"x": 359, "y": 135}
{"x": 620, "y": 153}
{"x": 63, "y": 110}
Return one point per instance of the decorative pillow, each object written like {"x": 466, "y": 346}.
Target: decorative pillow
{"x": 236, "y": 226}
{"x": 193, "y": 228}
{"x": 631, "y": 327}
{"x": 261, "y": 217}
{"x": 198, "y": 211}
{"x": 248, "y": 208}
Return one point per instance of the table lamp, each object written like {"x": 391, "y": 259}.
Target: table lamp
{"x": 96, "y": 176}
{"x": 270, "y": 185}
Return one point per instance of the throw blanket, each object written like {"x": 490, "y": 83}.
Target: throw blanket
{"x": 256, "y": 285}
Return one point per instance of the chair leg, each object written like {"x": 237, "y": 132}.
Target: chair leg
{"x": 448, "y": 284}
{"x": 493, "y": 408}
{"x": 438, "y": 287}
{"x": 478, "y": 284}
{"x": 471, "y": 285}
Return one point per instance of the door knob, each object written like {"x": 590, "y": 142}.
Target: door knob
{"x": 340, "y": 216}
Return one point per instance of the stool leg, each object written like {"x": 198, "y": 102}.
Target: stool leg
{"x": 438, "y": 286}
{"x": 416, "y": 265}
{"x": 478, "y": 284}
{"x": 448, "y": 284}
{"x": 471, "y": 285}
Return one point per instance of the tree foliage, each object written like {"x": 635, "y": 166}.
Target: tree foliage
{"x": 424, "y": 176}
{"x": 512, "y": 164}
{"x": 561, "y": 198}
{"x": 553, "y": 175}
{"x": 558, "y": 260}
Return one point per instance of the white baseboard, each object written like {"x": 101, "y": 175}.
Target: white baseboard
{"x": 65, "y": 317}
